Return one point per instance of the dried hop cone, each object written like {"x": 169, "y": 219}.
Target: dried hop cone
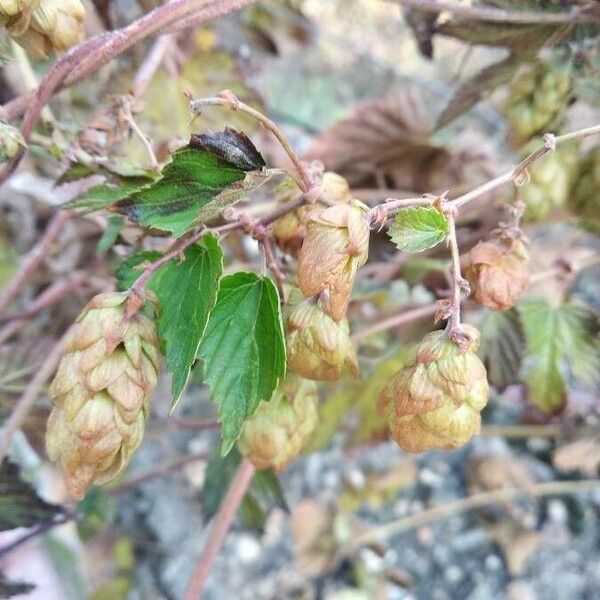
{"x": 435, "y": 401}
{"x": 335, "y": 245}
{"x": 537, "y": 98}
{"x": 101, "y": 393}
{"x": 550, "y": 181}
{"x": 498, "y": 271}
{"x": 584, "y": 199}
{"x": 317, "y": 347}
{"x": 278, "y": 430}
{"x": 44, "y": 26}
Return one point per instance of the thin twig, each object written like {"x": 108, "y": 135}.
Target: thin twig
{"x": 151, "y": 63}
{"x": 497, "y": 15}
{"x": 42, "y": 528}
{"x": 221, "y": 525}
{"x": 229, "y": 100}
{"x": 30, "y": 395}
{"x": 515, "y": 175}
{"x": 135, "y": 482}
{"x": 34, "y": 258}
{"x": 458, "y": 284}
{"x": 448, "y": 509}
{"x": 406, "y": 316}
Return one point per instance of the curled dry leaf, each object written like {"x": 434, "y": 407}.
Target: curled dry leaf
{"x": 387, "y": 142}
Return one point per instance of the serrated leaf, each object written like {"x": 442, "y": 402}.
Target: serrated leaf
{"x": 561, "y": 342}
{"x": 264, "y": 493}
{"x": 418, "y": 228}
{"x": 104, "y": 194}
{"x": 186, "y": 291}
{"x": 20, "y": 505}
{"x": 479, "y": 86}
{"x": 502, "y": 346}
{"x": 243, "y": 349}
{"x": 197, "y": 177}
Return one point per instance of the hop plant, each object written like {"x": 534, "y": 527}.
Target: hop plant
{"x": 435, "y": 401}
{"x": 317, "y": 346}
{"x": 584, "y": 198}
{"x": 280, "y": 427}
{"x": 335, "y": 246}
{"x": 537, "y": 98}
{"x": 101, "y": 393}
{"x": 43, "y": 26}
{"x": 498, "y": 271}
{"x": 550, "y": 181}
{"x": 10, "y": 141}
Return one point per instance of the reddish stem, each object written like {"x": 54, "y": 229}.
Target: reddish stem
{"x": 221, "y": 525}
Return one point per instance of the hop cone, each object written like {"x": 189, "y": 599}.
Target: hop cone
{"x": 537, "y": 98}
{"x": 335, "y": 245}
{"x": 498, "y": 271}
{"x": 43, "y": 26}
{"x": 435, "y": 401}
{"x": 317, "y": 347}
{"x": 280, "y": 427}
{"x": 10, "y": 141}
{"x": 101, "y": 393}
{"x": 585, "y": 195}
{"x": 550, "y": 182}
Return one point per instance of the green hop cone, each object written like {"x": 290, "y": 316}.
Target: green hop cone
{"x": 45, "y": 26}
{"x": 336, "y": 244}
{"x": 435, "y": 401}
{"x": 317, "y": 347}
{"x": 101, "y": 393}
{"x": 550, "y": 181}
{"x": 10, "y": 141}
{"x": 537, "y": 99}
{"x": 278, "y": 430}
{"x": 16, "y": 14}
{"x": 584, "y": 198}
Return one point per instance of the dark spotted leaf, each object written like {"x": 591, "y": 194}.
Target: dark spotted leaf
{"x": 20, "y": 505}
{"x": 214, "y": 171}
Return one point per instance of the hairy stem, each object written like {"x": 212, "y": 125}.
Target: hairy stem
{"x": 221, "y": 525}
{"x": 228, "y": 100}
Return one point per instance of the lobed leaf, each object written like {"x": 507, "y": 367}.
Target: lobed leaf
{"x": 243, "y": 349}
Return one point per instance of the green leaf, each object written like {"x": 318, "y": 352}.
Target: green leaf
{"x": 104, "y": 194}
{"x": 561, "y": 343}
{"x": 243, "y": 349}
{"x": 417, "y": 229}
{"x": 502, "y": 346}
{"x": 20, "y": 505}
{"x": 127, "y": 272}
{"x": 198, "y": 184}
{"x": 114, "y": 225}
{"x": 264, "y": 493}
{"x": 186, "y": 291}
